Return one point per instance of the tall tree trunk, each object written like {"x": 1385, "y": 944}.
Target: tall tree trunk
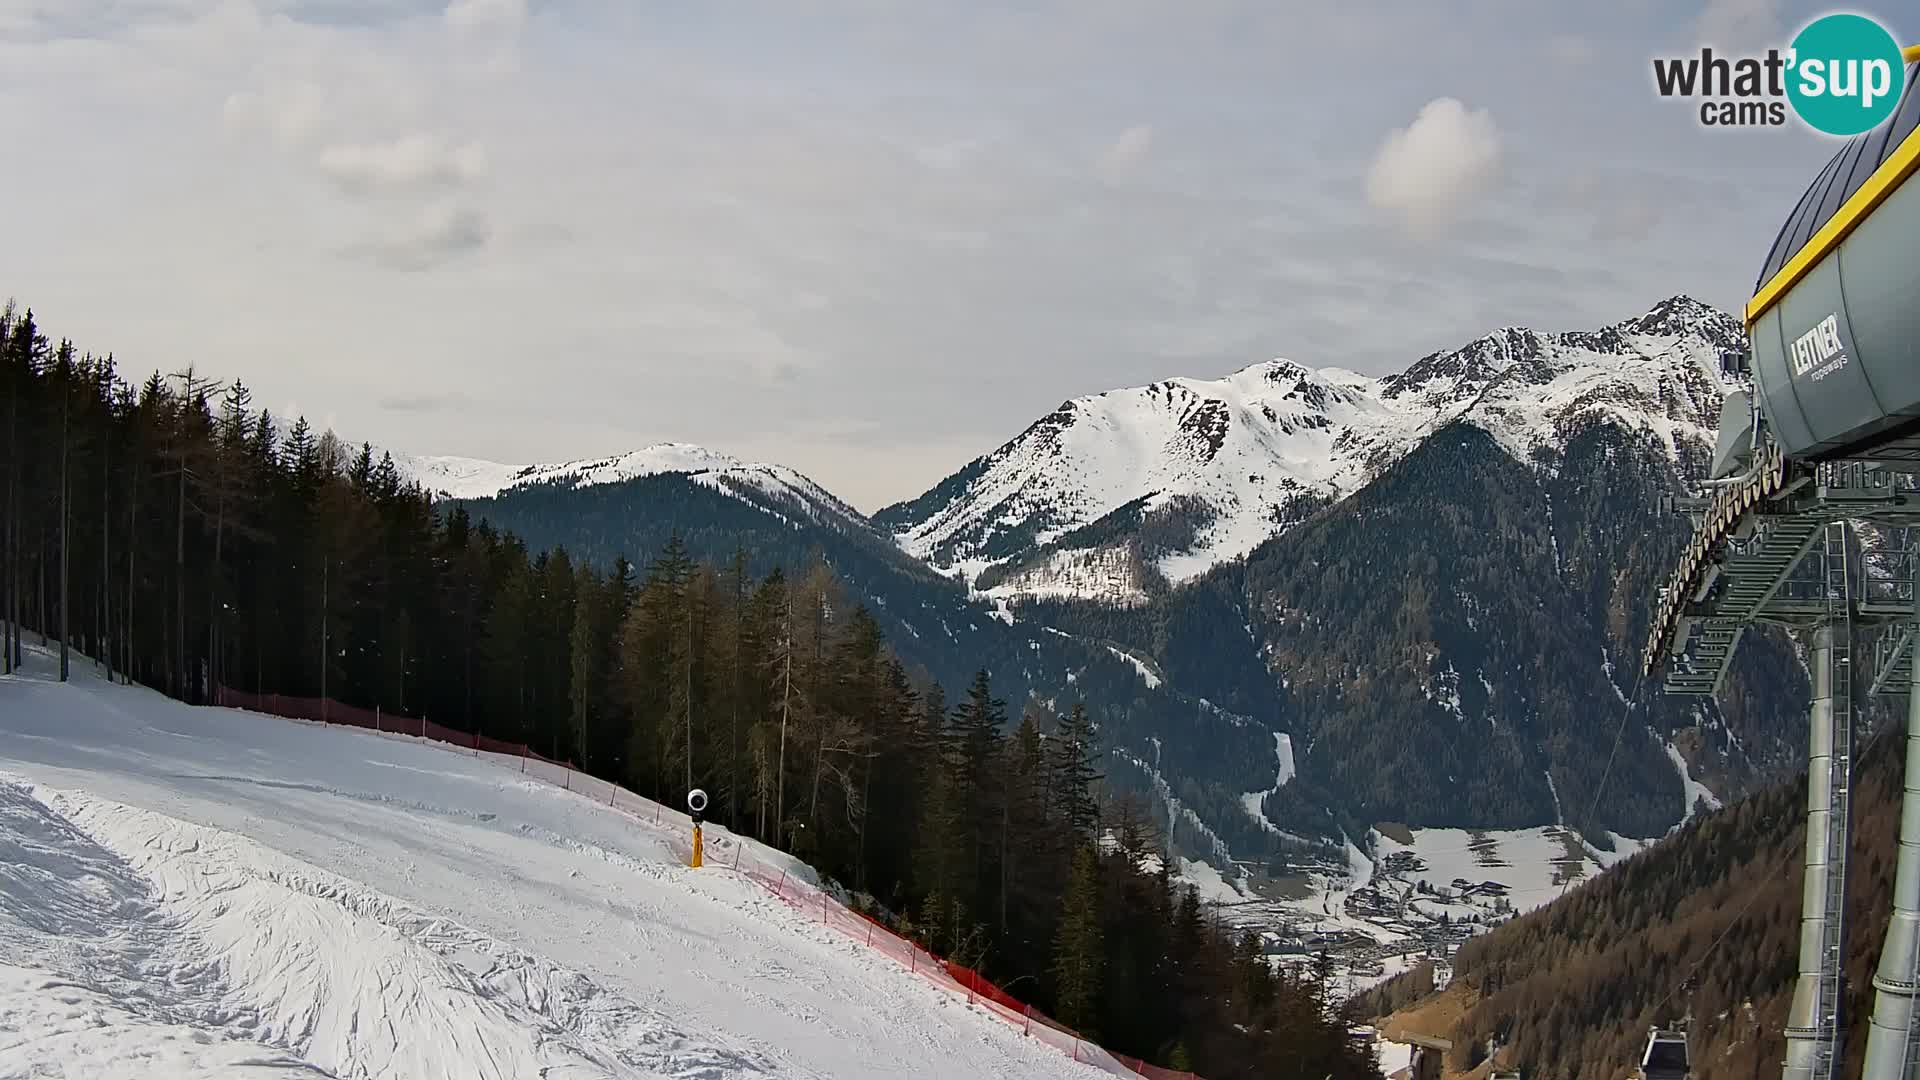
{"x": 133, "y": 516}
{"x": 105, "y": 637}
{"x": 819, "y": 764}
{"x": 180, "y": 581}
{"x": 780, "y": 774}
{"x": 213, "y": 588}
{"x": 66, "y": 529}
{"x": 6, "y": 539}
{"x": 325, "y": 566}
{"x": 6, "y": 562}
{"x": 40, "y": 570}
{"x": 866, "y": 812}
{"x": 1006, "y": 821}
{"x": 733, "y": 698}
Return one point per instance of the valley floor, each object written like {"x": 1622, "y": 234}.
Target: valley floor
{"x": 196, "y": 892}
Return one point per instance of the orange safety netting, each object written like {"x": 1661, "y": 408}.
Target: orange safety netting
{"x": 723, "y": 851}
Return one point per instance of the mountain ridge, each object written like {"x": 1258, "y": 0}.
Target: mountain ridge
{"x": 1192, "y": 675}
{"x": 1204, "y": 471}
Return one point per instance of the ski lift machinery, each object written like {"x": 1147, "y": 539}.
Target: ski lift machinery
{"x": 1824, "y": 439}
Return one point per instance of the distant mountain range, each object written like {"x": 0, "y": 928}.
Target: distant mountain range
{"x": 1432, "y": 582}
{"x": 1113, "y": 496}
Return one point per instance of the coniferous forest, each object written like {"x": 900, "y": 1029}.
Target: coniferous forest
{"x": 171, "y": 533}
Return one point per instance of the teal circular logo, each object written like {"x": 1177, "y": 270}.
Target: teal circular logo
{"x": 1845, "y": 74}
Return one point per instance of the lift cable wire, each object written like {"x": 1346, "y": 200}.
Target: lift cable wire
{"x": 1618, "y": 733}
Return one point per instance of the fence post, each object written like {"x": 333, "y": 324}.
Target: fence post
{"x": 737, "y": 845}
{"x": 1076, "y": 1048}
{"x": 376, "y": 718}
{"x": 523, "y": 761}
{"x": 823, "y": 907}
{"x": 1028, "y": 1013}
{"x": 972, "y": 977}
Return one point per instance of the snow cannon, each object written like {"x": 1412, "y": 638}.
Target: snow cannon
{"x": 1833, "y": 326}
{"x": 696, "y": 805}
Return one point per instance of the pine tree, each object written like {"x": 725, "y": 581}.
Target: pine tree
{"x": 1073, "y": 772}
{"x": 1078, "y": 956}
{"x": 583, "y": 671}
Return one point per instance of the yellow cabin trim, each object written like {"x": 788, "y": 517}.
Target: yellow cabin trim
{"x": 1884, "y": 182}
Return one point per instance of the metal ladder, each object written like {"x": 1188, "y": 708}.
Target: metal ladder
{"x": 1912, "y": 1055}
{"x": 1908, "y": 643}
{"x": 1839, "y": 596}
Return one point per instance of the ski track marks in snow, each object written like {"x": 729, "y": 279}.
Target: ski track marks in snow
{"x": 192, "y": 892}
{"x": 191, "y": 931}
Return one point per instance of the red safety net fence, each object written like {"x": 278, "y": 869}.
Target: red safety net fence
{"x": 329, "y": 711}
{"x": 721, "y": 850}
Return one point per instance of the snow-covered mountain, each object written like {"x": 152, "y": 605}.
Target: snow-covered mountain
{"x": 755, "y": 482}
{"x": 1334, "y": 500}
{"x": 1110, "y": 492}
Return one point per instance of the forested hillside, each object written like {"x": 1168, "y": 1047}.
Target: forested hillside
{"x": 1706, "y": 922}
{"x": 1454, "y": 645}
{"x": 1205, "y": 755}
{"x": 191, "y": 541}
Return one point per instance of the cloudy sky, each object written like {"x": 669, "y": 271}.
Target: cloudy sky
{"x": 867, "y": 238}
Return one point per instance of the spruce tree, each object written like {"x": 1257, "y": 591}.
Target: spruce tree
{"x": 1078, "y": 955}
{"x": 1074, "y": 773}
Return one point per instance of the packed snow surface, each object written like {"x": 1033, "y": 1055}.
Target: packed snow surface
{"x": 200, "y": 892}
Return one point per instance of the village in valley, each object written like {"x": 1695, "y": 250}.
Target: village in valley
{"x": 1411, "y": 896}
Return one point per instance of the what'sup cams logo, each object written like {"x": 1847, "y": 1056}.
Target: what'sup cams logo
{"x": 1842, "y": 75}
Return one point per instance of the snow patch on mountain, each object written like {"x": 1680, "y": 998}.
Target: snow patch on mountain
{"x": 458, "y": 477}
{"x": 1177, "y": 810}
{"x": 471, "y": 478}
{"x": 1108, "y": 576}
{"x": 1254, "y": 802}
{"x": 1146, "y": 673}
{"x": 1695, "y": 791}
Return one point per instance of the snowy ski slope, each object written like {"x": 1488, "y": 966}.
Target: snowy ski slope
{"x": 208, "y": 892}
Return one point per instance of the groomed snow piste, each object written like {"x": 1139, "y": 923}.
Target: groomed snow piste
{"x": 208, "y": 892}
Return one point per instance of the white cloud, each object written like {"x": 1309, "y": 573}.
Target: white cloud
{"x": 1427, "y": 172}
{"x": 1126, "y": 151}
{"x": 409, "y": 162}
